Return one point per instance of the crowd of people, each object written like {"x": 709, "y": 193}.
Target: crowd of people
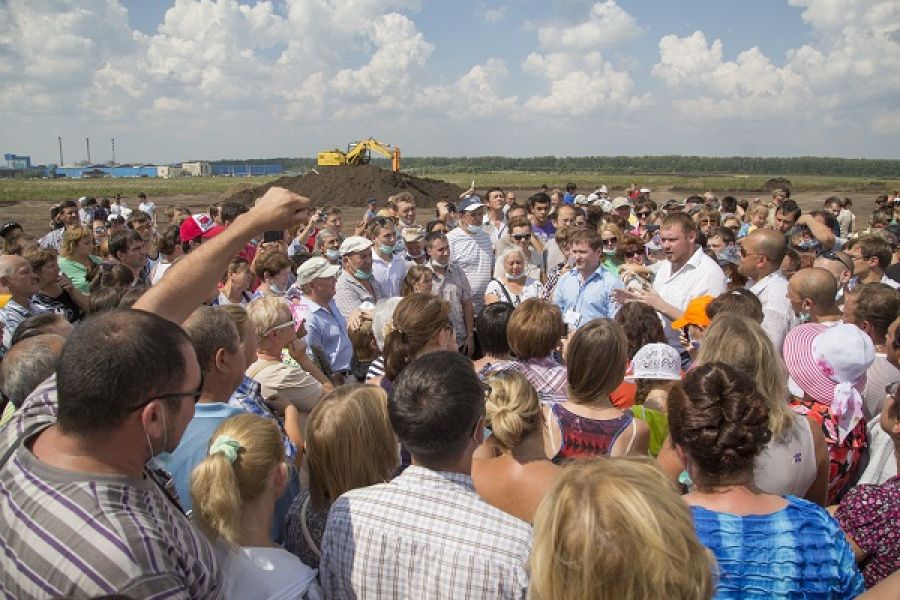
{"x": 568, "y": 396}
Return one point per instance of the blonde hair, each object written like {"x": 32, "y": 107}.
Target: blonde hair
{"x": 349, "y": 443}
{"x": 742, "y": 343}
{"x": 238, "y": 316}
{"x": 70, "y": 240}
{"x": 220, "y": 488}
{"x": 615, "y": 528}
{"x": 759, "y": 210}
{"x": 266, "y": 312}
{"x": 513, "y": 409}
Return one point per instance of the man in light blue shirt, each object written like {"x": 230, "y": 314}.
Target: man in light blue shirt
{"x": 326, "y": 327}
{"x": 586, "y": 292}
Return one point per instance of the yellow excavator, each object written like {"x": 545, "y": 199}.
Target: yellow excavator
{"x": 360, "y": 153}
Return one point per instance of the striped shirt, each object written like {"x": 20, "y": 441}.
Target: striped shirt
{"x": 426, "y": 534}
{"x": 72, "y": 534}
{"x": 474, "y": 255}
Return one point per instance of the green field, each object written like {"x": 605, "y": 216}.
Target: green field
{"x": 687, "y": 183}
{"x": 60, "y": 189}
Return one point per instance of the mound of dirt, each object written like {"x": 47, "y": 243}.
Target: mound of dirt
{"x": 353, "y": 185}
{"x": 776, "y": 183}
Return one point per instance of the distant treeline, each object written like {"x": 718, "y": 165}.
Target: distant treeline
{"x": 659, "y": 165}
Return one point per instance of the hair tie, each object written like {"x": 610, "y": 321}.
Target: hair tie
{"x": 227, "y": 446}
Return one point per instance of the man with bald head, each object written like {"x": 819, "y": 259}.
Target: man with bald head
{"x": 17, "y": 276}
{"x": 811, "y": 293}
{"x": 839, "y": 264}
{"x": 25, "y": 366}
{"x": 761, "y": 254}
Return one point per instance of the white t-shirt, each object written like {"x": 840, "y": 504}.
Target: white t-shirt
{"x": 265, "y": 573}
{"x": 531, "y": 289}
{"x": 778, "y": 316}
{"x": 148, "y": 207}
{"x": 700, "y": 276}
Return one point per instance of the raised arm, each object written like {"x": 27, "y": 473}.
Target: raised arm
{"x": 190, "y": 282}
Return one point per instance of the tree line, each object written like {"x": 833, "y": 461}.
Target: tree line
{"x": 658, "y": 165}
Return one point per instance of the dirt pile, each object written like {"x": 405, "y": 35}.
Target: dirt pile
{"x": 351, "y": 185}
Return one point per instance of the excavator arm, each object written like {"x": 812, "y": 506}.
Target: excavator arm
{"x": 359, "y": 153}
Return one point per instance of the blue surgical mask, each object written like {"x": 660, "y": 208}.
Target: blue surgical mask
{"x": 333, "y": 255}
{"x": 514, "y": 277}
{"x": 609, "y": 252}
{"x": 362, "y": 274}
{"x": 473, "y": 229}
{"x": 385, "y": 249}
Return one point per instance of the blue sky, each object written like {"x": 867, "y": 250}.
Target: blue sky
{"x": 208, "y": 79}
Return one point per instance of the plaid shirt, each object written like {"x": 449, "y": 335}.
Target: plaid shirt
{"x": 546, "y": 375}
{"x": 248, "y": 397}
{"x": 426, "y": 534}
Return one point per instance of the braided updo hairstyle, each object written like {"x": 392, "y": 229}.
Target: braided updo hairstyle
{"x": 717, "y": 416}
{"x": 512, "y": 410}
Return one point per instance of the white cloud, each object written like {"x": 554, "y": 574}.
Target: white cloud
{"x": 887, "y": 122}
{"x": 856, "y": 43}
{"x": 579, "y": 82}
{"x": 473, "y": 95}
{"x": 607, "y": 25}
{"x": 491, "y": 14}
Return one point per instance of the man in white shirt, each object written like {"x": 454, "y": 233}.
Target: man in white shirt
{"x": 686, "y": 273}
{"x": 470, "y": 249}
{"x": 388, "y": 268}
{"x": 147, "y": 206}
{"x": 761, "y": 254}
{"x": 495, "y": 218}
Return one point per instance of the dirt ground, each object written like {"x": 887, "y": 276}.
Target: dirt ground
{"x": 34, "y": 215}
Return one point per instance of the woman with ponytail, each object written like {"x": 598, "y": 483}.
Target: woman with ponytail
{"x": 234, "y": 490}
{"x": 511, "y": 469}
{"x": 421, "y": 324}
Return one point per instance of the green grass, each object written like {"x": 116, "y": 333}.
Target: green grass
{"x": 695, "y": 183}
{"x": 62, "y": 189}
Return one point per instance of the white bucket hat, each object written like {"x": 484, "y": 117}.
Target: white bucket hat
{"x": 655, "y": 361}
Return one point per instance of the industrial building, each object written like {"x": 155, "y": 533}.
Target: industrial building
{"x": 20, "y": 166}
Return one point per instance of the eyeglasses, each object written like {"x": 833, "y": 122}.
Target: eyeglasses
{"x": 521, "y": 236}
{"x": 834, "y": 256}
{"x": 284, "y": 325}
{"x": 891, "y": 388}
{"x": 611, "y": 241}
{"x": 175, "y": 396}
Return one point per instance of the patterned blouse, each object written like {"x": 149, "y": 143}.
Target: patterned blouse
{"x": 845, "y": 457}
{"x": 796, "y": 552}
{"x": 870, "y": 515}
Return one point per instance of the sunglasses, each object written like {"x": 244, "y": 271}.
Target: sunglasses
{"x": 611, "y": 241}
{"x": 522, "y": 236}
{"x": 643, "y": 214}
{"x": 284, "y": 325}
{"x": 632, "y": 253}
{"x": 834, "y": 256}
{"x": 175, "y": 396}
